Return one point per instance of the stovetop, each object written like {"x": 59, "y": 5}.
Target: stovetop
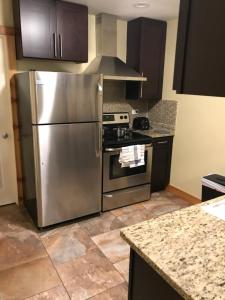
{"x": 130, "y": 138}
{"x": 118, "y": 134}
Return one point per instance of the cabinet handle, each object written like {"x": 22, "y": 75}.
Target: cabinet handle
{"x": 164, "y": 142}
{"x": 108, "y": 196}
{"x": 55, "y": 45}
{"x": 60, "y": 45}
{"x": 141, "y": 93}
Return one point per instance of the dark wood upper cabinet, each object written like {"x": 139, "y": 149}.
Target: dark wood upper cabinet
{"x": 51, "y": 29}
{"x": 200, "y": 59}
{"x": 72, "y": 29}
{"x": 35, "y": 23}
{"x": 146, "y": 39}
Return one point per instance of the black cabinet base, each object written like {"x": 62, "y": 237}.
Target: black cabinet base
{"x": 161, "y": 163}
{"x": 146, "y": 284}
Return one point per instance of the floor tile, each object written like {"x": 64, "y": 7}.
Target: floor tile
{"x": 161, "y": 204}
{"x": 91, "y": 258}
{"x": 28, "y": 279}
{"x": 58, "y": 293}
{"x": 119, "y": 292}
{"x": 13, "y": 218}
{"x": 127, "y": 209}
{"x": 112, "y": 245}
{"x": 123, "y": 267}
{"x": 167, "y": 196}
{"x": 19, "y": 247}
{"x": 161, "y": 194}
{"x": 64, "y": 244}
{"x": 88, "y": 275}
{"x": 135, "y": 217}
{"x": 104, "y": 223}
{"x": 180, "y": 202}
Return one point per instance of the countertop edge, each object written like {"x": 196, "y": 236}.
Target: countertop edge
{"x": 156, "y": 268}
{"x": 156, "y": 135}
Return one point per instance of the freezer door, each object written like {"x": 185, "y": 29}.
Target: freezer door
{"x": 68, "y": 171}
{"x": 65, "y": 97}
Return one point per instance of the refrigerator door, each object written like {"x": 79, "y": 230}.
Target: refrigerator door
{"x": 66, "y": 98}
{"x": 68, "y": 171}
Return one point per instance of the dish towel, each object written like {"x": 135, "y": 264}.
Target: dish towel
{"x": 132, "y": 156}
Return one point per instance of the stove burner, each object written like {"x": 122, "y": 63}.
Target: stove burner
{"x": 118, "y": 134}
{"x": 124, "y": 137}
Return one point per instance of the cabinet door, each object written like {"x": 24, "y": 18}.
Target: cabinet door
{"x": 72, "y": 29}
{"x": 146, "y": 40}
{"x": 161, "y": 164}
{"x": 152, "y": 54}
{"x": 36, "y": 28}
{"x": 200, "y": 63}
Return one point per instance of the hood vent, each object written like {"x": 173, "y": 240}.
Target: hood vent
{"x": 107, "y": 62}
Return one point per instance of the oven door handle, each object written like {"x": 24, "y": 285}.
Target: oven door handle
{"x": 112, "y": 149}
{"x": 119, "y": 149}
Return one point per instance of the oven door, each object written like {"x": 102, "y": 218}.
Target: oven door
{"x": 115, "y": 177}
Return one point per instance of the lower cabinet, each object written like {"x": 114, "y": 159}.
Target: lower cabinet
{"x": 161, "y": 163}
{"x": 146, "y": 284}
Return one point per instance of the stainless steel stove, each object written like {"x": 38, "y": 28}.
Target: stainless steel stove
{"x": 123, "y": 186}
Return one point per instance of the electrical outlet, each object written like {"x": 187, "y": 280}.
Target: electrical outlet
{"x": 135, "y": 111}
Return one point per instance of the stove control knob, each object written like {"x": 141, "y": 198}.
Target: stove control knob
{"x": 125, "y": 117}
{"x": 121, "y": 117}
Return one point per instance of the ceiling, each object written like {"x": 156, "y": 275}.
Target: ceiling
{"x": 158, "y": 9}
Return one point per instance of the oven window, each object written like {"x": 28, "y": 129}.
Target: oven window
{"x": 117, "y": 172}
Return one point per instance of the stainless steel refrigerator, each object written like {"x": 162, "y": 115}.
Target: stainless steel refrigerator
{"x": 60, "y": 130}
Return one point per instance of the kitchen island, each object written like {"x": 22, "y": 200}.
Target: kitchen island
{"x": 180, "y": 255}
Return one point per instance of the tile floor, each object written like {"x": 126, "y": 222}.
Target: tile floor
{"x": 85, "y": 260}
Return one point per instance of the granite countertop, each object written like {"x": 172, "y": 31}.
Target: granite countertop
{"x": 187, "y": 248}
{"x": 157, "y": 132}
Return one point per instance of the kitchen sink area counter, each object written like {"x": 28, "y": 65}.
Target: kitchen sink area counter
{"x": 185, "y": 249}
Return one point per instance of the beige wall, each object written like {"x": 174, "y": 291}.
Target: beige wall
{"x": 199, "y": 145}
{"x": 6, "y": 15}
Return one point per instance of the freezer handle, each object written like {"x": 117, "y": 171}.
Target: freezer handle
{"x": 99, "y": 140}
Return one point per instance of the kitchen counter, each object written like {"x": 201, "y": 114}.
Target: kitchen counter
{"x": 186, "y": 248}
{"x": 157, "y": 132}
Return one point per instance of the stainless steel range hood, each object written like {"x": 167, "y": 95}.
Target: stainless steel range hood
{"x": 107, "y": 61}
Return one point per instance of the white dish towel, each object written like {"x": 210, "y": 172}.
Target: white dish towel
{"x": 132, "y": 156}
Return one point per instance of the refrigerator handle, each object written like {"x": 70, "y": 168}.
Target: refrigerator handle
{"x": 55, "y": 45}
{"x": 98, "y": 101}
{"x": 98, "y": 140}
{"x": 100, "y": 88}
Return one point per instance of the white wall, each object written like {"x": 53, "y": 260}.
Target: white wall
{"x": 199, "y": 144}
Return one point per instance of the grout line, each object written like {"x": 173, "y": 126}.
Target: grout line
{"x": 92, "y": 297}
{"x": 56, "y": 270}
{"x": 42, "y": 292}
{"x": 112, "y": 264}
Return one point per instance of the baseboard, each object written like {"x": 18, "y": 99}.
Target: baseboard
{"x": 187, "y": 197}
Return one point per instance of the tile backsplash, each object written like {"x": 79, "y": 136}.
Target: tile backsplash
{"x": 114, "y": 100}
{"x": 161, "y": 114}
